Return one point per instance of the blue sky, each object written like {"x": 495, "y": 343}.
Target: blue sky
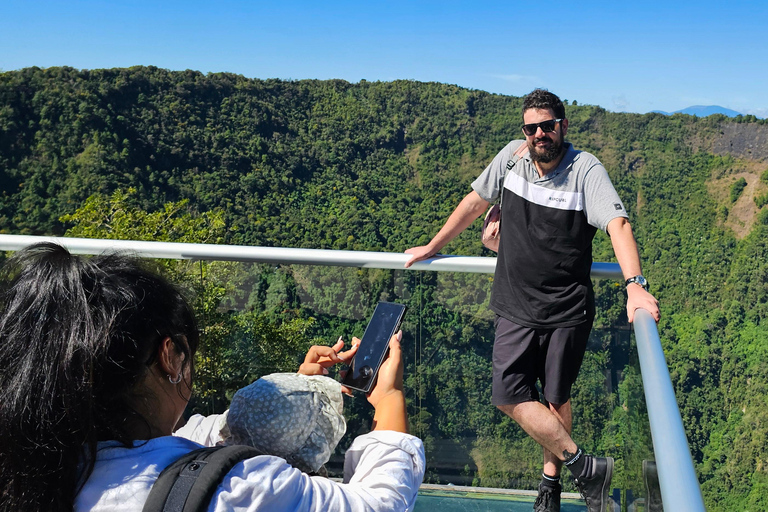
{"x": 623, "y": 56}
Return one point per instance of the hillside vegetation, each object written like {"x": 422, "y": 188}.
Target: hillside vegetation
{"x": 148, "y": 153}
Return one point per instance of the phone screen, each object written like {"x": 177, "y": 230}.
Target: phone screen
{"x": 373, "y": 346}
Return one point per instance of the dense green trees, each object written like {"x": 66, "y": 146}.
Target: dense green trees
{"x": 145, "y": 153}
{"x": 236, "y": 347}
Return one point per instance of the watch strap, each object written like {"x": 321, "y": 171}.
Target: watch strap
{"x": 639, "y": 280}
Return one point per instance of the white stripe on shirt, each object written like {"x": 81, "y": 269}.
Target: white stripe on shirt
{"x": 542, "y": 196}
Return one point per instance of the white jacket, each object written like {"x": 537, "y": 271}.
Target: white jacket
{"x": 382, "y": 472}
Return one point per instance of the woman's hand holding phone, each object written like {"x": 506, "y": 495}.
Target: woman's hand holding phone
{"x": 387, "y": 396}
{"x": 390, "y": 377}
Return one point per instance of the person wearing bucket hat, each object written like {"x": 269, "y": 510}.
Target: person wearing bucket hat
{"x": 289, "y": 415}
{"x": 298, "y": 417}
{"x": 553, "y": 199}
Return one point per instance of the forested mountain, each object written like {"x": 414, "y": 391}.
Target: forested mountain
{"x": 379, "y": 166}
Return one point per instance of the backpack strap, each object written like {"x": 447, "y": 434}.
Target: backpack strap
{"x": 188, "y": 484}
{"x": 521, "y": 150}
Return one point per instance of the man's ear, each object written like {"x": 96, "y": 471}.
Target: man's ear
{"x": 169, "y": 358}
{"x": 564, "y": 126}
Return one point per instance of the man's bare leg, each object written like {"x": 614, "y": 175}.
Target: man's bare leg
{"x": 544, "y": 426}
{"x": 553, "y": 465}
{"x": 593, "y": 474}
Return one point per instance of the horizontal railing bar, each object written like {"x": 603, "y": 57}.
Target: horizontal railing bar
{"x": 677, "y": 478}
{"x": 276, "y": 255}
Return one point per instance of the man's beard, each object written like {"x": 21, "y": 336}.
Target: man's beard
{"x": 550, "y": 155}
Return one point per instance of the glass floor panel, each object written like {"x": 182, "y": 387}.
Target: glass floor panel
{"x": 446, "y": 500}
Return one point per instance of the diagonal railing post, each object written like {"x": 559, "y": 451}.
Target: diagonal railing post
{"x": 680, "y": 490}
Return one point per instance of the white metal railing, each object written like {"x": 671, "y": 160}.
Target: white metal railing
{"x": 286, "y": 256}
{"x": 679, "y": 486}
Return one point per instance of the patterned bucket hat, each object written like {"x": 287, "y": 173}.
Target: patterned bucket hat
{"x": 293, "y": 416}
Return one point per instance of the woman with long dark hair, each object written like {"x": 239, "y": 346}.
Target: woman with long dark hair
{"x": 95, "y": 373}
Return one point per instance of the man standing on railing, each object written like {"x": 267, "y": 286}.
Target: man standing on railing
{"x": 554, "y": 198}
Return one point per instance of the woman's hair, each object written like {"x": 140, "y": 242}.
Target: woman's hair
{"x": 77, "y": 336}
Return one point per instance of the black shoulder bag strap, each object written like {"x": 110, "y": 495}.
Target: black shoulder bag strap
{"x": 188, "y": 484}
{"x": 491, "y": 231}
{"x": 521, "y": 150}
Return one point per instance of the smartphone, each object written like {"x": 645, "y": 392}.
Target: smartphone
{"x": 374, "y": 346}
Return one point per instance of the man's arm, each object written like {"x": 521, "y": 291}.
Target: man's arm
{"x": 469, "y": 209}
{"x": 625, "y": 248}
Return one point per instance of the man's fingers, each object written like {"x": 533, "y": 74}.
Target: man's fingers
{"x": 417, "y": 254}
{"x": 653, "y": 309}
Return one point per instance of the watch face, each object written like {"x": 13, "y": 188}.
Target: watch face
{"x": 639, "y": 280}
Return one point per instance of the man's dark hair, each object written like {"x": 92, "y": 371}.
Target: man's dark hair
{"x": 542, "y": 99}
{"x": 77, "y": 336}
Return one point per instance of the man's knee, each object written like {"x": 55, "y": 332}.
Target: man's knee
{"x": 563, "y": 413}
{"x": 510, "y": 409}
{"x": 559, "y": 407}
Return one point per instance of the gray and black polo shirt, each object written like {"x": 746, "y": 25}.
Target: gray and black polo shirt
{"x": 547, "y": 226}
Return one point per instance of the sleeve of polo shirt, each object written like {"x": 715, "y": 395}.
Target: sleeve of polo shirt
{"x": 487, "y": 184}
{"x": 601, "y": 202}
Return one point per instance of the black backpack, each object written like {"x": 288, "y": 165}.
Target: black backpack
{"x": 188, "y": 484}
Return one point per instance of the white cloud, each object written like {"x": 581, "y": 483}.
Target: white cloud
{"x": 620, "y": 103}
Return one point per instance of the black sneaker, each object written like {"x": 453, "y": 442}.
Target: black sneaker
{"x": 548, "y": 499}
{"x": 596, "y": 488}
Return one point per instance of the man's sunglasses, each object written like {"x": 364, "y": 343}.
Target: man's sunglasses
{"x": 546, "y": 127}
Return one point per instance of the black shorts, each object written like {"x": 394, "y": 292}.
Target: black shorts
{"x": 523, "y": 355}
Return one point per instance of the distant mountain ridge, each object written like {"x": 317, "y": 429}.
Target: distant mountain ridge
{"x": 703, "y": 111}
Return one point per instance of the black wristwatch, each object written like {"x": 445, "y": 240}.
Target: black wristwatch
{"x": 637, "y": 280}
